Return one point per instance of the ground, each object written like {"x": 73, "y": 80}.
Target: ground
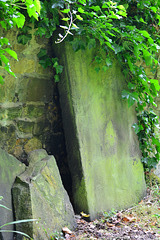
{"x": 142, "y": 221}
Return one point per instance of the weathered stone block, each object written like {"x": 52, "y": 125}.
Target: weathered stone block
{"x": 10, "y": 167}
{"x": 24, "y": 65}
{"x": 39, "y": 126}
{"x": 39, "y": 89}
{"x": 103, "y": 150}
{"x": 32, "y": 144}
{"x": 8, "y": 135}
{"x": 25, "y": 125}
{"x": 10, "y": 110}
{"x": 38, "y": 193}
{"x": 34, "y": 110}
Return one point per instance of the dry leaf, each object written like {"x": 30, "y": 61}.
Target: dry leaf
{"x": 66, "y": 230}
{"x": 85, "y": 215}
{"x": 110, "y": 224}
{"x": 128, "y": 219}
{"x": 153, "y": 223}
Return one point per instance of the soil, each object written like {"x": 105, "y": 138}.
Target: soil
{"x": 142, "y": 221}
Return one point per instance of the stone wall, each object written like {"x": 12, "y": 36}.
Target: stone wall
{"x": 29, "y": 115}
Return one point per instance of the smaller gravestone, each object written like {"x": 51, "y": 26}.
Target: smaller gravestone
{"x": 38, "y": 193}
{"x": 10, "y": 167}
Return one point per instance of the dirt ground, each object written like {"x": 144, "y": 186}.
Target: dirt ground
{"x": 139, "y": 222}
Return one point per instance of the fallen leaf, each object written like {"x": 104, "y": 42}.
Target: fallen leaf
{"x": 110, "y": 224}
{"x": 85, "y": 215}
{"x": 128, "y": 219}
{"x": 66, "y": 230}
{"x": 153, "y": 223}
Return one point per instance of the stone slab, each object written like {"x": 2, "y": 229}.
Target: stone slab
{"x": 102, "y": 147}
{"x": 38, "y": 193}
{"x": 10, "y": 167}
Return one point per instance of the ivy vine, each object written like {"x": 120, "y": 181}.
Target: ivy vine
{"x": 12, "y": 15}
{"x": 129, "y": 31}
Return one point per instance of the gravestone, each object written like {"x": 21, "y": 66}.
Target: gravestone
{"x": 10, "y": 167}
{"x": 103, "y": 150}
{"x": 38, "y": 193}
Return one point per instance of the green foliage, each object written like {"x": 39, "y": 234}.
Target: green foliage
{"x": 47, "y": 61}
{"x": 11, "y": 16}
{"x": 24, "y": 36}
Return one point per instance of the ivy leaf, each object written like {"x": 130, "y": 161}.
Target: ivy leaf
{"x": 154, "y": 9}
{"x": 96, "y": 8}
{"x": 24, "y": 38}
{"x": 132, "y": 97}
{"x": 3, "y": 24}
{"x": 19, "y": 19}
{"x": 4, "y": 41}
{"x": 109, "y": 45}
{"x": 37, "y": 5}
{"x": 137, "y": 127}
{"x": 41, "y": 31}
{"x": 56, "y": 78}
{"x": 130, "y": 64}
{"x": 155, "y": 83}
{"x": 11, "y": 53}
{"x": 147, "y": 57}
{"x": 79, "y": 17}
{"x": 145, "y": 33}
{"x": 1, "y": 80}
{"x": 42, "y": 53}
{"x": 142, "y": 20}
{"x": 131, "y": 86}
{"x": 4, "y": 59}
{"x": 117, "y": 48}
{"x": 65, "y": 19}
{"x": 124, "y": 14}
{"x": 80, "y": 10}
{"x": 65, "y": 10}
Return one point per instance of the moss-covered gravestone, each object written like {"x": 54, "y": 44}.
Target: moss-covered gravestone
{"x": 38, "y": 193}
{"x": 102, "y": 147}
{"x": 10, "y": 167}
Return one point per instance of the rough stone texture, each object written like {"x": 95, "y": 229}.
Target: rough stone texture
{"x": 103, "y": 150}
{"x": 38, "y": 193}
{"x": 25, "y": 101}
{"x": 10, "y": 167}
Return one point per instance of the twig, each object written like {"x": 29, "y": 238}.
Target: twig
{"x": 59, "y": 41}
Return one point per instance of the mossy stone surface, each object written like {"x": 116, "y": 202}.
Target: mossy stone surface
{"x": 10, "y": 167}
{"x": 47, "y": 199}
{"x": 103, "y": 150}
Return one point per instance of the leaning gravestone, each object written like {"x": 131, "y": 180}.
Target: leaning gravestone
{"x": 103, "y": 150}
{"x": 38, "y": 193}
{"x": 10, "y": 167}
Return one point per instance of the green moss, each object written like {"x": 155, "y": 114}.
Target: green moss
{"x": 101, "y": 144}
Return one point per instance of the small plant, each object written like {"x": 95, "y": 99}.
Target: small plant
{"x": 109, "y": 214}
